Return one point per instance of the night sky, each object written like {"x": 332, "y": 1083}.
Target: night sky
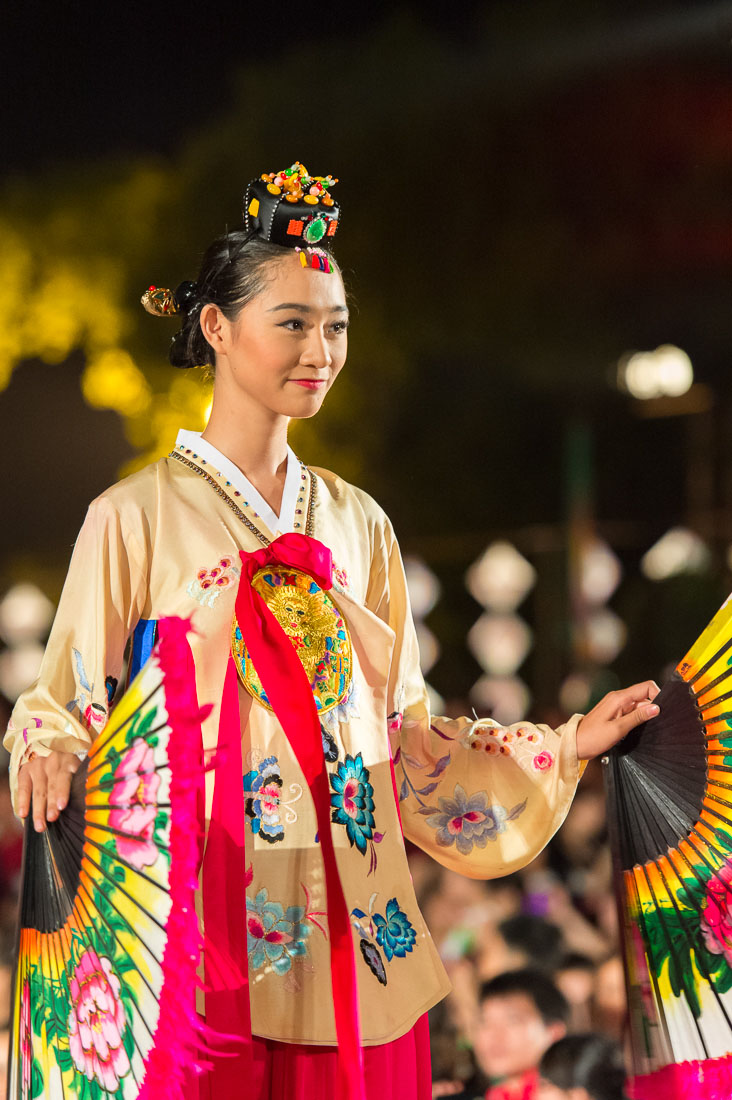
{"x": 85, "y": 81}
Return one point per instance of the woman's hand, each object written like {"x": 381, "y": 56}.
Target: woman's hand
{"x": 614, "y": 717}
{"x": 46, "y": 780}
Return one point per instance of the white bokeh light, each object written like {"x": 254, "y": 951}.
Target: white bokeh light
{"x": 501, "y": 578}
{"x": 600, "y": 572}
{"x": 500, "y": 643}
{"x": 19, "y": 667}
{"x": 678, "y": 551}
{"x": 605, "y": 636}
{"x": 665, "y": 372}
{"x": 25, "y": 614}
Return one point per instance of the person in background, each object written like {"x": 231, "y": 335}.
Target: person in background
{"x": 575, "y": 977}
{"x": 534, "y": 941}
{"x": 582, "y": 1067}
{"x": 610, "y": 1006}
{"x": 521, "y": 1013}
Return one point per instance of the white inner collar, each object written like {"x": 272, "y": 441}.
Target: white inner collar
{"x": 282, "y": 524}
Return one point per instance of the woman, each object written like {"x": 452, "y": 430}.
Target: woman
{"x": 269, "y": 314}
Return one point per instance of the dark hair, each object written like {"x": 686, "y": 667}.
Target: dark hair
{"x": 573, "y": 960}
{"x": 550, "y": 1003}
{"x": 591, "y": 1062}
{"x": 234, "y": 270}
{"x": 537, "y": 937}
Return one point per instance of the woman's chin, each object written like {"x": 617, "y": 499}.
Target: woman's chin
{"x": 306, "y": 406}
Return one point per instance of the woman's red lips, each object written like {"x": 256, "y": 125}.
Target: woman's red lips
{"x": 309, "y": 383}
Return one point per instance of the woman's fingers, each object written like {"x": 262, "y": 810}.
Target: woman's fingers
{"x": 25, "y": 790}
{"x": 59, "y": 784}
{"x": 627, "y": 722}
{"x": 627, "y": 700}
{"x": 614, "y": 717}
{"x": 45, "y": 783}
{"x": 40, "y": 794}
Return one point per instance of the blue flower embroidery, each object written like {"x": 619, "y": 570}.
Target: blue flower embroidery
{"x": 263, "y": 807}
{"x": 353, "y": 801}
{"x": 394, "y": 932}
{"x": 465, "y": 822}
{"x": 275, "y": 935}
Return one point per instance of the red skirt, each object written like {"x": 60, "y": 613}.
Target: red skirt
{"x": 399, "y": 1070}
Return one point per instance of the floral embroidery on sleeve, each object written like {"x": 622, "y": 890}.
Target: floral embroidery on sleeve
{"x": 523, "y": 744}
{"x": 392, "y": 931}
{"x": 468, "y": 821}
{"x": 93, "y": 712}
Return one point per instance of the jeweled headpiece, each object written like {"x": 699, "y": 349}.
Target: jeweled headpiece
{"x": 292, "y": 208}
{"x": 289, "y": 208}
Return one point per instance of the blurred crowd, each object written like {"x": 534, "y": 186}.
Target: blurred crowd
{"x": 538, "y": 1003}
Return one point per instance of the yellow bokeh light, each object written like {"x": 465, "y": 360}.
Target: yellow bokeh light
{"x": 112, "y": 381}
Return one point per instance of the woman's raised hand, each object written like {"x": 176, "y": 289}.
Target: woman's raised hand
{"x": 46, "y": 781}
{"x": 614, "y": 717}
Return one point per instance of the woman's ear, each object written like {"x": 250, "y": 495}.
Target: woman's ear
{"x": 214, "y": 326}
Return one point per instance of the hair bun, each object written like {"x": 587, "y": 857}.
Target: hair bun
{"x": 186, "y": 297}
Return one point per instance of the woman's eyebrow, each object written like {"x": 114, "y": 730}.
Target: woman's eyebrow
{"x": 305, "y": 309}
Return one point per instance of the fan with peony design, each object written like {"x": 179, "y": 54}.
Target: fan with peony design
{"x": 108, "y": 939}
{"x": 670, "y": 812}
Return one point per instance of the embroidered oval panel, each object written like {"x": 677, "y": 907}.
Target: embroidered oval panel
{"x": 316, "y": 629}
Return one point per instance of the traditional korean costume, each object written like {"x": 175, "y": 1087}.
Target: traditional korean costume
{"x": 481, "y": 799}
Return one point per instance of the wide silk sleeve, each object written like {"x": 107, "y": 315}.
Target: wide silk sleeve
{"x": 101, "y": 602}
{"x": 482, "y": 799}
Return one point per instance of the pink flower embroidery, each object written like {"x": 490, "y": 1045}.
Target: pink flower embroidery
{"x": 209, "y": 583}
{"x": 97, "y": 1021}
{"x": 716, "y": 919}
{"x": 95, "y": 716}
{"x": 395, "y": 721}
{"x": 340, "y": 577}
{"x": 543, "y": 761}
{"x": 26, "y": 1052}
{"x": 220, "y": 575}
{"x": 135, "y": 793}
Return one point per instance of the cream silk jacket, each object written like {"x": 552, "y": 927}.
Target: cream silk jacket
{"x": 483, "y": 800}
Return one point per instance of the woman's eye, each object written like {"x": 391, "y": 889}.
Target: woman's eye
{"x": 294, "y": 324}
{"x": 340, "y": 327}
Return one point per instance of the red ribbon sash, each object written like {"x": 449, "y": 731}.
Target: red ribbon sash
{"x": 290, "y": 694}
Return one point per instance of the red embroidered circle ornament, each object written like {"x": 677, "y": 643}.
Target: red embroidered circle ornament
{"x": 316, "y": 629}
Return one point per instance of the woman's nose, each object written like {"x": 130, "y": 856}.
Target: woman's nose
{"x": 317, "y": 351}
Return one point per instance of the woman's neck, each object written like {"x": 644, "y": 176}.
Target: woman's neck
{"x": 256, "y": 443}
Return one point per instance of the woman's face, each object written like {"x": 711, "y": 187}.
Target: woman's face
{"x": 285, "y": 349}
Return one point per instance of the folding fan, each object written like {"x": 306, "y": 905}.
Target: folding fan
{"x": 108, "y": 940}
{"x": 670, "y": 814}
